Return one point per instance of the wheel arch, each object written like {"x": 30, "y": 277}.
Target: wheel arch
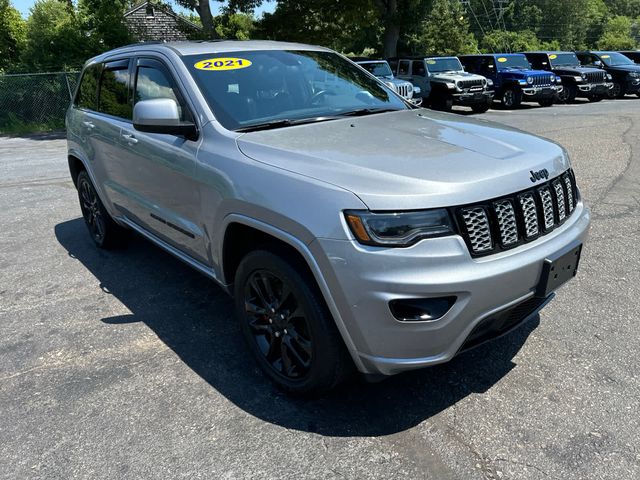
{"x": 76, "y": 165}
{"x": 242, "y": 234}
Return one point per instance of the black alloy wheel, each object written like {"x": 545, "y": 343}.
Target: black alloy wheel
{"x": 104, "y": 232}
{"x": 287, "y": 325}
{"x": 278, "y": 324}
{"x": 511, "y": 98}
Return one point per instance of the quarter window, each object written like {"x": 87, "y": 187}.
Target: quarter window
{"x": 114, "y": 89}
{"x": 88, "y": 92}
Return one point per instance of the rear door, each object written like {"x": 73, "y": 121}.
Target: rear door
{"x": 158, "y": 170}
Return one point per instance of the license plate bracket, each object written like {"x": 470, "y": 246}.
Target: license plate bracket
{"x": 556, "y": 271}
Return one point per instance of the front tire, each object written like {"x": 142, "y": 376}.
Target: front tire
{"x": 287, "y": 325}
{"x": 568, "y": 94}
{"x": 511, "y": 98}
{"x": 596, "y": 98}
{"x": 104, "y": 232}
{"x": 481, "y": 107}
{"x": 617, "y": 91}
{"x": 546, "y": 102}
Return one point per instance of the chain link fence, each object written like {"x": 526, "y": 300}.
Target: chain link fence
{"x": 35, "y": 102}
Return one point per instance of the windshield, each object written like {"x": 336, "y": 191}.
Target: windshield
{"x": 445, "y": 64}
{"x": 613, "y": 59}
{"x": 252, "y": 88}
{"x": 513, "y": 61}
{"x": 379, "y": 69}
{"x": 564, "y": 60}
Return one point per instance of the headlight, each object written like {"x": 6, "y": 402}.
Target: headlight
{"x": 489, "y": 82}
{"x": 633, "y": 75}
{"x": 401, "y": 229}
{"x": 578, "y": 78}
{"x": 416, "y": 89}
{"x": 529, "y": 80}
{"x": 609, "y": 77}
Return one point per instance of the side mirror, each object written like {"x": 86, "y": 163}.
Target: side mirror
{"x": 161, "y": 115}
{"x": 597, "y": 63}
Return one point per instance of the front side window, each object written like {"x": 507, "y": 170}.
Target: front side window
{"x": 509, "y": 62}
{"x": 88, "y": 91}
{"x": 251, "y": 88}
{"x": 444, "y": 64}
{"x": 418, "y": 68}
{"x": 152, "y": 83}
{"x": 403, "y": 68}
{"x": 113, "y": 98}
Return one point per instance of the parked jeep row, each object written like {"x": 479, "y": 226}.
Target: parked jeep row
{"x": 476, "y": 81}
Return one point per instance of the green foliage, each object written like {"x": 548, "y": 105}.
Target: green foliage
{"x": 54, "y": 41}
{"x": 103, "y": 25}
{"x": 235, "y": 26}
{"x": 13, "y": 35}
{"x": 617, "y": 35}
{"x": 500, "y": 41}
{"x": 446, "y": 30}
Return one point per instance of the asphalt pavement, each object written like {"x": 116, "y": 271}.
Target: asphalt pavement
{"x": 128, "y": 364}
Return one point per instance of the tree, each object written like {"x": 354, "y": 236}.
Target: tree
{"x": 500, "y": 41}
{"x": 203, "y": 9}
{"x": 627, "y": 8}
{"x": 617, "y": 35}
{"x": 102, "y": 23}
{"x": 54, "y": 41}
{"x": 237, "y": 26}
{"x": 12, "y": 36}
{"x": 446, "y": 30}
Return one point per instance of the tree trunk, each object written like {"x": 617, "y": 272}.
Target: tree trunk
{"x": 389, "y": 13}
{"x": 204, "y": 12}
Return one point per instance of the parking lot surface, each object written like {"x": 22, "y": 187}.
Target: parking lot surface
{"x": 128, "y": 364}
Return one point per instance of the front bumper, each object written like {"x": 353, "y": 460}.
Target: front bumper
{"x": 594, "y": 89}
{"x": 473, "y": 98}
{"x": 633, "y": 85}
{"x": 363, "y": 280}
{"x": 541, "y": 93}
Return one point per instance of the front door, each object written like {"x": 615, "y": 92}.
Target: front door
{"x": 161, "y": 185}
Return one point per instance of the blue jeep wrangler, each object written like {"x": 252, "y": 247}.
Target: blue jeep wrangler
{"x": 513, "y": 79}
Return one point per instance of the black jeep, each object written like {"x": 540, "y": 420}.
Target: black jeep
{"x": 625, "y": 73}
{"x": 577, "y": 80}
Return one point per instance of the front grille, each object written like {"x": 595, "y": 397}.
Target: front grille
{"x": 596, "y": 77}
{"x": 503, "y": 223}
{"x": 543, "y": 80}
{"x": 404, "y": 90}
{"x": 464, "y": 84}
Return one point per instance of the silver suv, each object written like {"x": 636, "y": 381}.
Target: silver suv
{"x": 352, "y": 229}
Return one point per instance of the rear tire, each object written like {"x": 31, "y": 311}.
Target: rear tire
{"x": 104, "y": 232}
{"x": 287, "y": 325}
{"x": 512, "y": 98}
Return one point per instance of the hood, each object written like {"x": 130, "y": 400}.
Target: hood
{"x": 575, "y": 70}
{"x": 454, "y": 75}
{"x": 626, "y": 68}
{"x": 523, "y": 73}
{"x": 410, "y": 159}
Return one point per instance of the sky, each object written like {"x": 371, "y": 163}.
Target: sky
{"x": 267, "y": 6}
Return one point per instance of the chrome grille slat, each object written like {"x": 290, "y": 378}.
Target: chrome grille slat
{"x": 567, "y": 183}
{"x": 595, "y": 77}
{"x": 530, "y": 212}
{"x": 506, "y": 222}
{"x": 542, "y": 80}
{"x": 477, "y": 223}
{"x": 562, "y": 212}
{"x": 470, "y": 83}
{"x": 547, "y": 207}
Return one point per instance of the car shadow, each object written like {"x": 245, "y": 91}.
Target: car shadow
{"x": 194, "y": 318}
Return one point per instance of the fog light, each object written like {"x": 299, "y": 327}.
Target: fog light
{"x": 420, "y": 309}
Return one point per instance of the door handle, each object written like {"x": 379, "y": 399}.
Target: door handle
{"x": 88, "y": 125}
{"x": 129, "y": 138}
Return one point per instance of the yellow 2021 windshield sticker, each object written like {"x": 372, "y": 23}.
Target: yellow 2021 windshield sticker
{"x": 553, "y": 56}
{"x": 502, "y": 59}
{"x": 219, "y": 64}
{"x": 606, "y": 56}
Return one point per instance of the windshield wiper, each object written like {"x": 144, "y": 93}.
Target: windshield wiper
{"x": 367, "y": 111}
{"x": 283, "y": 122}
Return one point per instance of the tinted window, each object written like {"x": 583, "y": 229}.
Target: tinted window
{"x": 88, "y": 92}
{"x": 403, "y": 68}
{"x": 613, "y": 59}
{"x": 518, "y": 62}
{"x": 418, "y": 68}
{"x": 564, "y": 60}
{"x": 114, "y": 89}
{"x": 154, "y": 83}
{"x": 379, "y": 69}
{"x": 444, "y": 64}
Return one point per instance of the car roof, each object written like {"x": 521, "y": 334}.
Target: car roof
{"x": 549, "y": 52}
{"x": 367, "y": 60}
{"x": 184, "y": 48}
{"x": 492, "y": 55}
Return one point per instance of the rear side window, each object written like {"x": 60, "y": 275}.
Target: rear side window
{"x": 403, "y": 67}
{"x": 87, "y": 96}
{"x": 418, "y": 68}
{"x": 152, "y": 83}
{"x": 113, "y": 98}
